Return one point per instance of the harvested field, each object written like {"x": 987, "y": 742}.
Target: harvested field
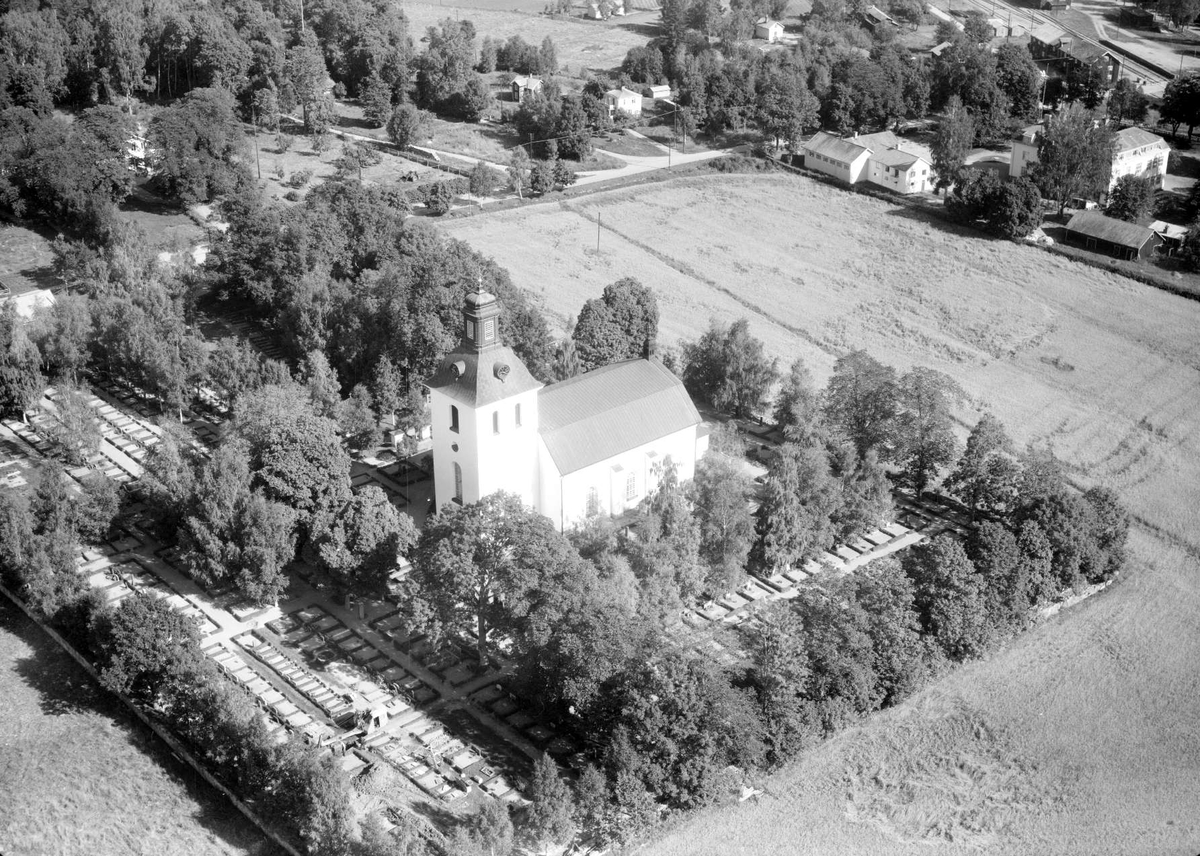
{"x": 1081, "y": 736}
{"x": 79, "y": 775}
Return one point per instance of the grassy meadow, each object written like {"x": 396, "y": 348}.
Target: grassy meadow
{"x": 1081, "y": 736}
{"x": 79, "y": 775}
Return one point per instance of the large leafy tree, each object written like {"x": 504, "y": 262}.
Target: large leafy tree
{"x": 619, "y": 325}
{"x": 365, "y": 543}
{"x": 549, "y": 817}
{"x": 902, "y": 656}
{"x": 688, "y": 724}
{"x": 798, "y": 405}
{"x": 1019, "y": 78}
{"x": 798, "y": 502}
{"x": 198, "y": 148}
{"x": 952, "y": 143}
{"x": 144, "y": 647}
{"x": 1131, "y": 198}
{"x": 780, "y": 674}
{"x": 447, "y": 64}
{"x": 987, "y": 474}
{"x": 729, "y": 368}
{"x": 925, "y": 424}
{"x": 1075, "y": 155}
{"x": 480, "y": 564}
{"x": 1181, "y": 102}
{"x": 21, "y": 383}
{"x": 721, "y": 494}
{"x": 862, "y": 399}
{"x": 950, "y": 597}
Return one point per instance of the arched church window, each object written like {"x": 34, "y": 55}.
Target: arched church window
{"x": 458, "y": 495}
{"x": 495, "y": 421}
{"x": 518, "y": 414}
{"x": 454, "y": 419}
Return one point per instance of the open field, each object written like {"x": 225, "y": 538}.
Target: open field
{"x": 580, "y": 43}
{"x": 1082, "y": 736}
{"x": 79, "y": 775}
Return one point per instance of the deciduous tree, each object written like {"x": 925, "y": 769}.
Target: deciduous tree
{"x": 1075, "y": 155}
{"x": 925, "y": 424}
{"x": 621, "y": 324}
{"x": 862, "y": 399}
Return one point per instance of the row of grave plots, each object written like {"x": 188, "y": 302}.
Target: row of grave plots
{"x": 126, "y": 440}
{"x": 121, "y": 580}
{"x": 457, "y": 664}
{"x": 736, "y": 606}
{"x": 354, "y": 682}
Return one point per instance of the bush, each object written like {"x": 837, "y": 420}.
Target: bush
{"x": 300, "y": 178}
{"x": 439, "y": 196}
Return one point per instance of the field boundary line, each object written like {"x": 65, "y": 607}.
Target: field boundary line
{"x": 689, "y": 271}
{"x": 172, "y": 742}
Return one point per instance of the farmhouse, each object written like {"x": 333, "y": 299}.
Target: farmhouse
{"x": 765, "y": 28}
{"x": 1093, "y": 231}
{"x": 1136, "y": 152}
{"x": 874, "y": 157}
{"x": 525, "y": 85}
{"x": 594, "y": 444}
{"x": 623, "y": 101}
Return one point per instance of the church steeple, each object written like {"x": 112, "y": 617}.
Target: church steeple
{"x": 481, "y": 321}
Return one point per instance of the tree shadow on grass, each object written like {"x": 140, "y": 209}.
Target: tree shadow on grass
{"x": 65, "y": 689}
{"x": 925, "y": 215}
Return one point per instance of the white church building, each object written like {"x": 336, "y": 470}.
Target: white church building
{"x": 594, "y": 444}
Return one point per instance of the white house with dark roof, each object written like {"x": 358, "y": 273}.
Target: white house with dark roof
{"x": 879, "y": 158}
{"x": 594, "y": 444}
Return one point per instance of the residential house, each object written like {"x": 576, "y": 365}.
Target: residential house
{"x": 1137, "y": 152}
{"x": 658, "y": 93}
{"x": 878, "y": 158}
{"x": 899, "y": 170}
{"x": 525, "y": 85}
{"x": 1140, "y": 153}
{"x": 1093, "y": 231}
{"x": 595, "y": 444}
{"x": 765, "y": 28}
{"x": 624, "y": 101}
{"x": 1062, "y": 51}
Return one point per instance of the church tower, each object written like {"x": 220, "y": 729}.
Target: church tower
{"x": 483, "y": 406}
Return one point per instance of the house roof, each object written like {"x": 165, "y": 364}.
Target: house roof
{"x": 937, "y": 50}
{"x": 837, "y": 148}
{"x": 878, "y": 141}
{"x": 767, "y": 23}
{"x": 1093, "y": 224}
{"x": 610, "y": 410}
{"x": 1049, "y": 34}
{"x": 877, "y": 14}
{"x": 896, "y": 157}
{"x": 1134, "y": 138}
{"x": 527, "y": 82}
{"x": 623, "y": 93}
{"x": 478, "y": 379}
{"x": 1028, "y": 134}
{"x": 1169, "y": 230}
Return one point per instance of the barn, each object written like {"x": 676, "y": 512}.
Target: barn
{"x": 1093, "y": 231}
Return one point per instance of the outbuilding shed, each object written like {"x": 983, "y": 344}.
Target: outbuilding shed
{"x": 1093, "y": 231}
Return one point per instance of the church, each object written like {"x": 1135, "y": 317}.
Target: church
{"x": 594, "y": 444}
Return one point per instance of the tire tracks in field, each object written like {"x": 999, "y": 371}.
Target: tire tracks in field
{"x": 688, "y": 271}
